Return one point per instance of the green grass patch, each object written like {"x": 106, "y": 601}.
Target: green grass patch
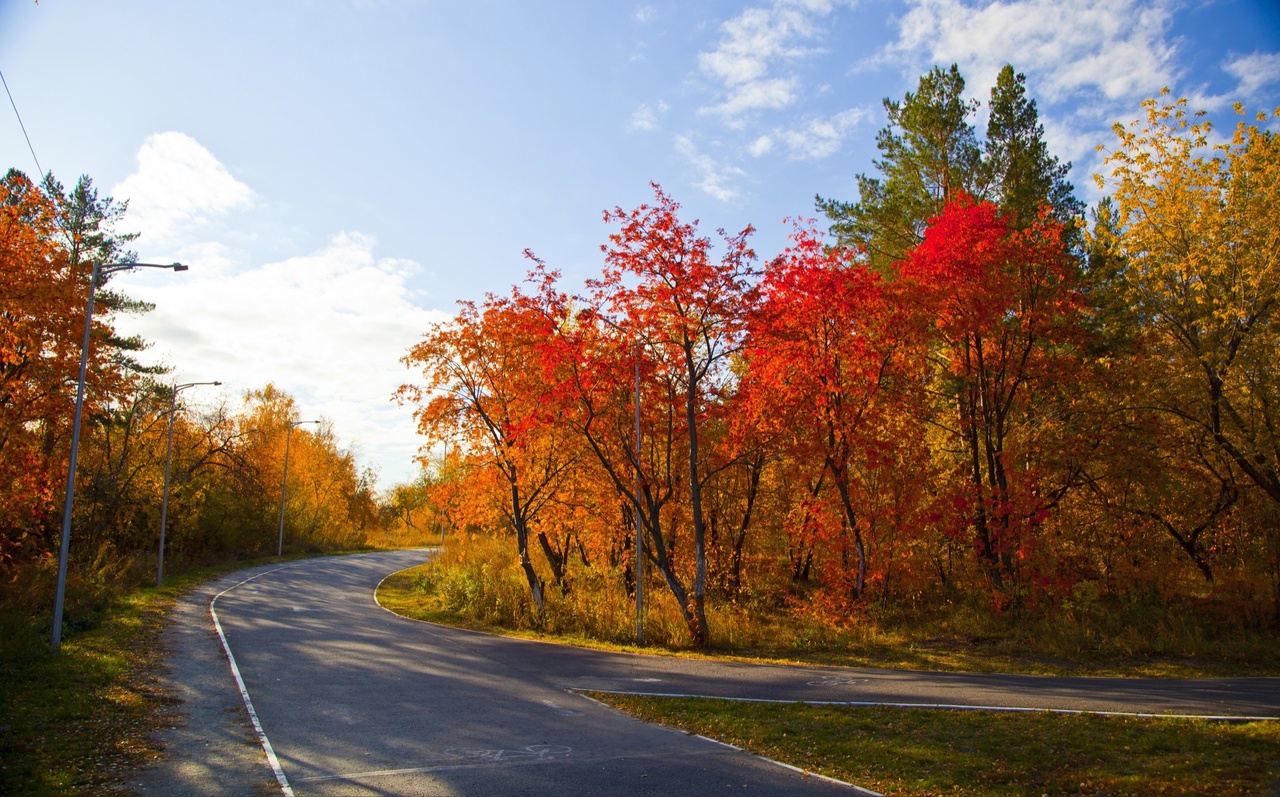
{"x": 953, "y": 639}
{"x": 921, "y": 752}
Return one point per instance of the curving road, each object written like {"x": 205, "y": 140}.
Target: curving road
{"x": 352, "y": 699}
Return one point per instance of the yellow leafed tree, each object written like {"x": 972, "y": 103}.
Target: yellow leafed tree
{"x": 1199, "y": 227}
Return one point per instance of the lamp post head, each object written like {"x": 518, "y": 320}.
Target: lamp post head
{"x": 179, "y": 267}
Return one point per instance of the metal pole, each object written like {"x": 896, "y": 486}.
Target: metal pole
{"x": 168, "y": 456}
{"x": 639, "y": 533}
{"x": 164, "y": 502}
{"x": 284, "y": 485}
{"x": 284, "y": 489}
{"x": 56, "y": 638}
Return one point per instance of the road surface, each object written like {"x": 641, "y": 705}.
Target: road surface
{"x": 351, "y": 699}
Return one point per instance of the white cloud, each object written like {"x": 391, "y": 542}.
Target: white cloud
{"x": 821, "y": 138}
{"x": 645, "y": 14}
{"x": 1115, "y": 47}
{"x": 761, "y": 146}
{"x": 646, "y": 118}
{"x": 757, "y": 95}
{"x": 329, "y": 327}
{"x": 713, "y": 178}
{"x": 179, "y": 185}
{"x": 753, "y": 44}
{"x": 1254, "y": 71}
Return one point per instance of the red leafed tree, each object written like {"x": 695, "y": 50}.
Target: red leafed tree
{"x": 1007, "y": 312}
{"x": 661, "y": 296}
{"x": 832, "y": 362}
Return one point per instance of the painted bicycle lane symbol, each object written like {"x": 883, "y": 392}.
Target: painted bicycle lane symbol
{"x": 832, "y": 680}
{"x": 539, "y": 752}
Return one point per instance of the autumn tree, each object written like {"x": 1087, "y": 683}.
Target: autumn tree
{"x": 1008, "y": 320}
{"x": 45, "y": 238}
{"x": 665, "y": 307}
{"x": 482, "y": 380}
{"x": 831, "y": 360}
{"x": 41, "y": 308}
{"x": 1198, "y": 225}
{"x": 687, "y": 312}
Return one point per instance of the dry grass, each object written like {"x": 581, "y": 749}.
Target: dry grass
{"x": 478, "y": 585}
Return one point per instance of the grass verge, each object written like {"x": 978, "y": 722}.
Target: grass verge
{"x": 918, "y": 752}
{"x": 79, "y": 721}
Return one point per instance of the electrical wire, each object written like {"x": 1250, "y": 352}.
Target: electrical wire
{"x": 39, "y": 170}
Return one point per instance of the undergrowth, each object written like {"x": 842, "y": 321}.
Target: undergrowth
{"x": 479, "y": 585}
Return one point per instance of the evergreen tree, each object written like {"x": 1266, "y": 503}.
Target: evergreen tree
{"x": 1020, "y": 172}
{"x": 929, "y": 152}
{"x": 88, "y": 225}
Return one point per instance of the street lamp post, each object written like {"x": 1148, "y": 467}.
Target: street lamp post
{"x": 284, "y": 484}
{"x": 100, "y": 270}
{"x": 639, "y": 531}
{"x": 168, "y": 458}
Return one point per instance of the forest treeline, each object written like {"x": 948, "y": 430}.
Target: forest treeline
{"x": 227, "y": 454}
{"x": 968, "y": 386}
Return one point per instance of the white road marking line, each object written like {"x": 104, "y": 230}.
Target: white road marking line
{"x": 807, "y": 773}
{"x": 244, "y": 691}
{"x": 949, "y": 706}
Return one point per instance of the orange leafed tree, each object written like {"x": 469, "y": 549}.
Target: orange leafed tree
{"x": 687, "y": 311}
{"x": 483, "y": 382}
{"x": 43, "y": 298}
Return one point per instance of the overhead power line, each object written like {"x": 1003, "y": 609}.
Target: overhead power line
{"x": 39, "y": 170}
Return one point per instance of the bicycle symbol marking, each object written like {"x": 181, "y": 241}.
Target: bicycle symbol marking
{"x": 540, "y": 752}
{"x": 836, "y": 681}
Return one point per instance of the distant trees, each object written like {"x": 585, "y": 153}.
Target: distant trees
{"x": 226, "y": 461}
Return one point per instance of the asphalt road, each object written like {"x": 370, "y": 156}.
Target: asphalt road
{"x": 355, "y": 700}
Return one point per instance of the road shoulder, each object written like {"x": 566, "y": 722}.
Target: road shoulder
{"x": 209, "y": 745}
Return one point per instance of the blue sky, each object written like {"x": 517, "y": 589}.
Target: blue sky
{"x": 339, "y": 173}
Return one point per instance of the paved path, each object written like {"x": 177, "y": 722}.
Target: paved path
{"x": 356, "y": 700}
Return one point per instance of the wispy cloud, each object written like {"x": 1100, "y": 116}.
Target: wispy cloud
{"x": 713, "y": 178}
{"x": 178, "y": 185}
{"x": 1118, "y": 48}
{"x": 823, "y": 137}
{"x": 1254, "y": 72}
{"x": 645, "y": 117}
{"x": 645, "y": 14}
{"x": 754, "y": 45}
{"x": 761, "y": 146}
